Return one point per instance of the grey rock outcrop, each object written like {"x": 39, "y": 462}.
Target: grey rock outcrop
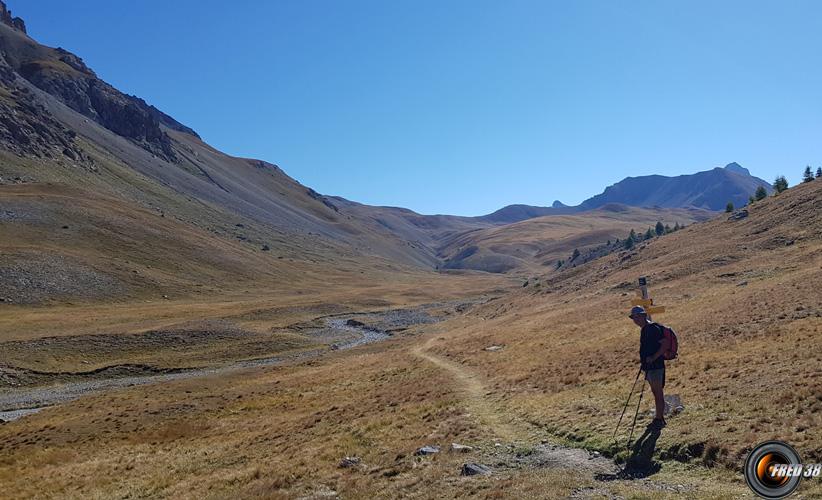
{"x": 26, "y": 127}
{"x": 66, "y": 76}
{"x": 472, "y": 469}
{"x": 9, "y": 20}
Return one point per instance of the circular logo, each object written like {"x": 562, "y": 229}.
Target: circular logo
{"x": 763, "y": 473}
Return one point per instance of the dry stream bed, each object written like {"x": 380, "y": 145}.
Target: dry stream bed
{"x": 328, "y": 333}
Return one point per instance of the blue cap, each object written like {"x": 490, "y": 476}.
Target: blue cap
{"x": 636, "y": 310}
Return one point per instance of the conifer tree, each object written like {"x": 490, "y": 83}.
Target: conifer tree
{"x": 729, "y": 207}
{"x": 659, "y": 229}
{"x": 807, "y": 176}
{"x": 761, "y": 193}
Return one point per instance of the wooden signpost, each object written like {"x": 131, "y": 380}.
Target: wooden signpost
{"x": 645, "y": 300}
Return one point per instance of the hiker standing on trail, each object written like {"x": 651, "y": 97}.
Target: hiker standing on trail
{"x": 653, "y": 344}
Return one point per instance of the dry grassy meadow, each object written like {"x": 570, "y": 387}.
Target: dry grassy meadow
{"x": 744, "y": 296}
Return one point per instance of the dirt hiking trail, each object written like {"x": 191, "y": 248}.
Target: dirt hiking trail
{"x": 476, "y": 397}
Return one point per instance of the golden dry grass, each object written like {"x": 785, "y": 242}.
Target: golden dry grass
{"x": 749, "y": 371}
{"x": 535, "y": 245}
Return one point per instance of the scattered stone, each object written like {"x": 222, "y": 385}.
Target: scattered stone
{"x": 165, "y": 296}
{"x": 742, "y": 283}
{"x": 427, "y": 450}
{"x": 348, "y": 462}
{"x": 266, "y": 248}
{"x": 460, "y": 448}
{"x": 739, "y": 215}
{"x": 494, "y": 348}
{"x": 673, "y": 404}
{"x": 472, "y": 469}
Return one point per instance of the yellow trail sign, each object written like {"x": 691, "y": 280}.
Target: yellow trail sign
{"x": 644, "y": 300}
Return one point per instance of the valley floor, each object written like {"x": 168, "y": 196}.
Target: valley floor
{"x": 532, "y": 378}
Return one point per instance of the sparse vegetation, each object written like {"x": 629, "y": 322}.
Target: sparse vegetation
{"x": 630, "y": 240}
{"x": 807, "y": 176}
{"x": 761, "y": 193}
{"x": 729, "y": 207}
{"x": 780, "y": 184}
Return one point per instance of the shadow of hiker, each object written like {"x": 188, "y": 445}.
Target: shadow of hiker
{"x": 640, "y": 462}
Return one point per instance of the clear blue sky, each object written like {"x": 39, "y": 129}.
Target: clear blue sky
{"x": 463, "y": 107}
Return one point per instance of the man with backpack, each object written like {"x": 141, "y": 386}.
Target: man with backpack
{"x": 654, "y": 347}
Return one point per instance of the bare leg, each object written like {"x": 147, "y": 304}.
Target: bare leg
{"x": 659, "y": 398}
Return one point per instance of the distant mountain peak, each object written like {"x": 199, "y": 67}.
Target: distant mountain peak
{"x": 736, "y": 167}
{"x": 558, "y": 204}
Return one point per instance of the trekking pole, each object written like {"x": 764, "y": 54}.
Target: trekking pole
{"x": 626, "y": 403}
{"x": 631, "y": 436}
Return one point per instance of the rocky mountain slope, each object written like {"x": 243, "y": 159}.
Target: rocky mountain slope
{"x": 67, "y": 137}
{"x": 708, "y": 190}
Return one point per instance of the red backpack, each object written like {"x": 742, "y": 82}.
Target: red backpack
{"x": 670, "y": 334}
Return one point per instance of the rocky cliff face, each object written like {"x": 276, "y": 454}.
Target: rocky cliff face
{"x": 26, "y": 127}
{"x": 9, "y": 20}
{"x": 65, "y": 76}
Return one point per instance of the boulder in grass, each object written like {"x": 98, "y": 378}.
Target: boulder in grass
{"x": 427, "y": 450}
{"x": 493, "y": 348}
{"x": 348, "y": 462}
{"x": 472, "y": 469}
{"x": 673, "y": 404}
{"x": 460, "y": 448}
